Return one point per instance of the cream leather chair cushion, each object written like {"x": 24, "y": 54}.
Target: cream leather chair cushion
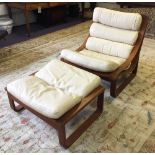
{"x": 109, "y": 47}
{"x": 114, "y": 34}
{"x": 49, "y": 101}
{"x": 122, "y": 20}
{"x": 69, "y": 78}
{"x": 93, "y": 60}
{"x": 103, "y": 57}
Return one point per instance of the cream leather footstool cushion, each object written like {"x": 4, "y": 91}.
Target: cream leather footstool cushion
{"x": 55, "y": 89}
{"x": 37, "y": 94}
{"x": 69, "y": 78}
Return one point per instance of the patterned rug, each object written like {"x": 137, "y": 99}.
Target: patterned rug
{"x": 126, "y": 125}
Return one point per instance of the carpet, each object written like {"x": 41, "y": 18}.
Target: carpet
{"x": 126, "y": 125}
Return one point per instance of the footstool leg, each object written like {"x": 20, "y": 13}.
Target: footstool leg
{"x": 67, "y": 142}
{"x": 62, "y": 135}
{"x": 100, "y": 102}
{"x": 12, "y": 104}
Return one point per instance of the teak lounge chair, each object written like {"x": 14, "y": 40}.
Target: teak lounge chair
{"x": 112, "y": 48}
{"x": 56, "y": 94}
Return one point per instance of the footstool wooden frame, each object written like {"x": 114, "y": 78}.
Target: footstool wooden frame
{"x": 59, "y": 124}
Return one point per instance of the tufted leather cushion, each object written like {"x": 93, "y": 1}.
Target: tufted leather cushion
{"x": 109, "y": 47}
{"x": 69, "y": 78}
{"x": 50, "y": 101}
{"x": 122, "y": 20}
{"x": 114, "y": 34}
{"x": 55, "y": 89}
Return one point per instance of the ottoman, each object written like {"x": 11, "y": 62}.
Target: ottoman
{"x": 56, "y": 94}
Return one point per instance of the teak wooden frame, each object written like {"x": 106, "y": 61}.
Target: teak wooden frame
{"x": 59, "y": 124}
{"x": 129, "y": 67}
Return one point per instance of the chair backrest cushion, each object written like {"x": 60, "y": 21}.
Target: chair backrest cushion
{"x": 122, "y": 20}
{"x": 109, "y": 47}
{"x": 114, "y": 34}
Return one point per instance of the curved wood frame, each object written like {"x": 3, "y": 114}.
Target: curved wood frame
{"x": 59, "y": 124}
{"x": 129, "y": 67}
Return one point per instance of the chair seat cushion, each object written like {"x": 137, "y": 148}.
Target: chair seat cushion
{"x": 43, "y": 98}
{"x": 114, "y": 34}
{"x": 123, "y": 20}
{"x": 103, "y": 57}
{"x": 69, "y": 78}
{"x": 89, "y": 61}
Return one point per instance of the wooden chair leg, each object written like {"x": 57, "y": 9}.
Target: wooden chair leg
{"x": 17, "y": 108}
{"x": 116, "y": 90}
{"x": 113, "y": 89}
{"x": 135, "y": 69}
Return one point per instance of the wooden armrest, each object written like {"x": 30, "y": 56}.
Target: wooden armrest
{"x": 134, "y": 56}
{"x": 83, "y": 45}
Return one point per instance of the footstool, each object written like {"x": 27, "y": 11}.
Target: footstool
{"x": 56, "y": 94}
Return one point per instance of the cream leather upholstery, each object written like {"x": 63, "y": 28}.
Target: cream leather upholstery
{"x": 49, "y": 101}
{"x": 109, "y": 47}
{"x": 69, "y": 78}
{"x": 55, "y": 89}
{"x": 114, "y": 34}
{"x": 91, "y": 60}
{"x": 122, "y": 20}
{"x": 103, "y": 57}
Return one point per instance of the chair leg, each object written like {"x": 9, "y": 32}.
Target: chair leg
{"x": 17, "y": 108}
{"x": 116, "y": 90}
{"x": 100, "y": 102}
{"x": 113, "y": 89}
{"x": 135, "y": 69}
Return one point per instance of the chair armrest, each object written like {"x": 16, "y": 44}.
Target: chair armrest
{"x": 134, "y": 56}
{"x": 83, "y": 45}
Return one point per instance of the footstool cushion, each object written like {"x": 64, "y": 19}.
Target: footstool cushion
{"x": 69, "y": 78}
{"x": 45, "y": 99}
{"x": 55, "y": 89}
